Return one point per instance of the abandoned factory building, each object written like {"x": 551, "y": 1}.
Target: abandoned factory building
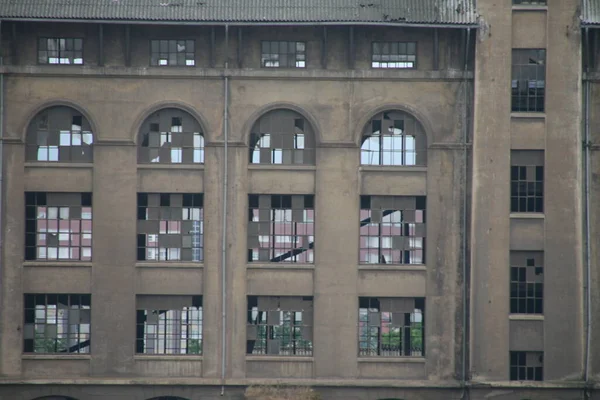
{"x": 382, "y": 199}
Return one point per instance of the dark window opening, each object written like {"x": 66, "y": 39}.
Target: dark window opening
{"x": 527, "y": 181}
{"x": 394, "y": 55}
{"x": 65, "y": 51}
{"x": 283, "y": 54}
{"x": 528, "y": 80}
{"x": 172, "y": 53}
{"x": 526, "y": 366}
{"x": 526, "y": 282}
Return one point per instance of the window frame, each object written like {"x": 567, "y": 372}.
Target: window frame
{"x": 515, "y": 99}
{"x": 263, "y": 60}
{"x": 58, "y": 38}
{"x": 530, "y": 3}
{"x": 518, "y": 268}
{"x": 150, "y": 52}
{"x": 398, "y": 43}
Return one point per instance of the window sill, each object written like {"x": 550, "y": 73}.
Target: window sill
{"x": 270, "y": 358}
{"x": 527, "y": 215}
{"x": 392, "y": 267}
{"x": 45, "y": 164}
{"x": 56, "y": 356}
{"x": 530, "y": 7}
{"x": 291, "y": 167}
{"x": 528, "y": 115}
{"x": 282, "y": 266}
{"x": 168, "y": 357}
{"x": 393, "y": 168}
{"x": 526, "y": 317}
{"x": 167, "y": 265}
{"x": 55, "y": 263}
{"x": 405, "y": 360}
{"x": 171, "y": 166}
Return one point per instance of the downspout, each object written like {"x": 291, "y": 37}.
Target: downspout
{"x": 587, "y": 183}
{"x": 465, "y": 138}
{"x": 1, "y": 160}
{"x": 224, "y": 227}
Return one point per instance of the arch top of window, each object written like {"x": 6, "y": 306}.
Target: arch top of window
{"x": 59, "y": 134}
{"x": 393, "y": 138}
{"x": 171, "y": 136}
{"x": 282, "y": 137}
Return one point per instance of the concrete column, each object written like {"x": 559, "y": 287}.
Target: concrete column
{"x": 13, "y": 241}
{"x": 114, "y": 205}
{"x": 563, "y": 267}
{"x": 336, "y": 258}
{"x": 491, "y": 194}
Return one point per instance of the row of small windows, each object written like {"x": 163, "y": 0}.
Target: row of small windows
{"x": 182, "y": 52}
{"x": 173, "y": 136}
{"x": 173, "y": 324}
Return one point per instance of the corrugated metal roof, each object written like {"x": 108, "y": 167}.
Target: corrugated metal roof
{"x": 590, "y": 12}
{"x": 444, "y": 12}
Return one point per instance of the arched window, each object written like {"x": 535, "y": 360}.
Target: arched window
{"x": 393, "y": 138}
{"x": 282, "y": 137}
{"x": 59, "y": 134}
{"x": 171, "y": 136}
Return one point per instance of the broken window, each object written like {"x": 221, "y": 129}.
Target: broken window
{"x": 283, "y": 54}
{"x": 526, "y": 366}
{"x": 531, "y": 2}
{"x": 59, "y": 134}
{"x": 394, "y": 55}
{"x": 60, "y": 51}
{"x": 393, "y": 138}
{"x": 391, "y": 326}
{"x": 280, "y": 325}
{"x": 170, "y": 227}
{"x": 281, "y": 228}
{"x": 57, "y": 323}
{"x": 58, "y": 226}
{"x": 171, "y": 136}
{"x": 172, "y": 53}
{"x": 282, "y": 137}
{"x": 527, "y": 181}
{"x": 528, "y": 79}
{"x": 169, "y": 324}
{"x": 526, "y": 282}
{"x": 392, "y": 229}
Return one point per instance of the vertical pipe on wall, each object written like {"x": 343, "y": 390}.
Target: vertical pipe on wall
{"x": 224, "y": 221}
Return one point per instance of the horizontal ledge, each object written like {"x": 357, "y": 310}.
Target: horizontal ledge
{"x": 527, "y": 215}
{"x": 162, "y": 265}
{"x": 279, "y": 167}
{"x": 53, "y": 263}
{"x": 199, "y": 167}
{"x": 307, "y": 359}
{"x": 528, "y": 115}
{"x": 392, "y": 168}
{"x": 526, "y": 317}
{"x": 529, "y": 7}
{"x": 56, "y": 357}
{"x": 167, "y": 357}
{"x": 45, "y": 165}
{"x": 279, "y": 266}
{"x": 393, "y": 360}
{"x": 388, "y": 267}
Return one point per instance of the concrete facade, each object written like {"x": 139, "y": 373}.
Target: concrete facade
{"x": 460, "y": 93}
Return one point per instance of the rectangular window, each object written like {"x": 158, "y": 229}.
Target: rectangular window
{"x": 280, "y": 326}
{"x": 283, "y": 54}
{"x": 169, "y": 324}
{"x": 526, "y": 282}
{"x": 281, "y": 228}
{"x": 58, "y": 226}
{"x": 528, "y": 80}
{"x": 391, "y": 326}
{"x": 67, "y": 51}
{"x": 526, "y": 366}
{"x": 170, "y": 227}
{"x": 527, "y": 181}
{"x": 57, "y": 323}
{"x": 392, "y": 229}
{"x": 172, "y": 53}
{"x": 530, "y": 2}
{"x": 394, "y": 55}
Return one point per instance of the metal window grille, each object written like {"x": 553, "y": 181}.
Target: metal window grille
{"x": 172, "y": 326}
{"x": 280, "y": 54}
{"x": 526, "y": 283}
{"x": 528, "y": 80}
{"x": 280, "y": 326}
{"x": 526, "y": 366}
{"x": 392, "y": 229}
{"x": 281, "y": 228}
{"x": 170, "y": 227}
{"x": 282, "y": 137}
{"x": 394, "y": 55}
{"x": 57, "y": 323}
{"x": 172, "y": 53}
{"x": 393, "y": 138}
{"x": 59, "y": 134}
{"x": 67, "y": 51}
{"x": 58, "y": 226}
{"x": 391, "y": 327}
{"x": 527, "y": 181}
{"x": 171, "y": 136}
